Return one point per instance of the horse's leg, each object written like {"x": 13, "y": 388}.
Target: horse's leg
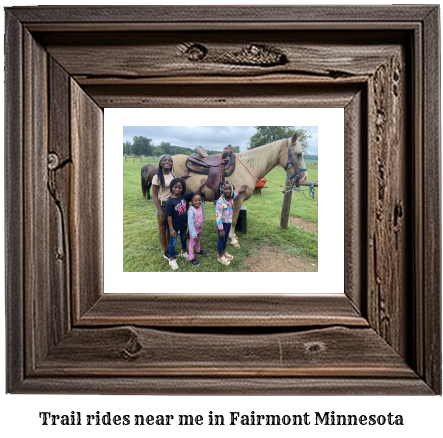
{"x": 144, "y": 188}
{"x": 148, "y": 187}
{"x": 237, "y": 205}
{"x": 233, "y": 237}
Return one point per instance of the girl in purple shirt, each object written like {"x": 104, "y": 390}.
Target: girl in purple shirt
{"x": 196, "y": 222}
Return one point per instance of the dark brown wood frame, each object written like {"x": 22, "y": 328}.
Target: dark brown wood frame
{"x": 64, "y": 65}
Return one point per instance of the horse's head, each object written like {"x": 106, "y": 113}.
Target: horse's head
{"x": 292, "y": 160}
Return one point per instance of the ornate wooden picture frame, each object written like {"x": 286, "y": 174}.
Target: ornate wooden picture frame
{"x": 64, "y": 65}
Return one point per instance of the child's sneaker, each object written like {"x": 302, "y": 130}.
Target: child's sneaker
{"x": 173, "y": 264}
{"x": 201, "y": 252}
{"x": 223, "y": 260}
{"x": 166, "y": 254}
{"x": 185, "y": 255}
{"x": 228, "y": 256}
{"x": 194, "y": 262}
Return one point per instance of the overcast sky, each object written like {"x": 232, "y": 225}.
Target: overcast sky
{"x": 209, "y": 137}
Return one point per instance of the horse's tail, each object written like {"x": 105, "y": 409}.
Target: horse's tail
{"x": 143, "y": 185}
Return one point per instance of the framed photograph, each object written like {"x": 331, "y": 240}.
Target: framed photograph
{"x": 380, "y": 333}
{"x": 273, "y": 254}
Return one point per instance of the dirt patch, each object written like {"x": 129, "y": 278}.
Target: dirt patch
{"x": 273, "y": 259}
{"x": 304, "y": 225}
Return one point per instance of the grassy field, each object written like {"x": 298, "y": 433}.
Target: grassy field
{"x": 311, "y": 162}
{"x": 143, "y": 252}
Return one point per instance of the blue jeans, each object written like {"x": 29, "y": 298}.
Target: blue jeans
{"x": 173, "y": 241}
{"x": 221, "y": 244}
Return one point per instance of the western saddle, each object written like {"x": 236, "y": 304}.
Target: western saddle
{"x": 217, "y": 168}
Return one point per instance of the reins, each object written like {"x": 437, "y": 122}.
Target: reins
{"x": 311, "y": 190}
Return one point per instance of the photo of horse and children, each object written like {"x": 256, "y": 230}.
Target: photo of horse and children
{"x": 252, "y": 207}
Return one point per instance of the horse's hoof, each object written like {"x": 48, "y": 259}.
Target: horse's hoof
{"x": 235, "y": 245}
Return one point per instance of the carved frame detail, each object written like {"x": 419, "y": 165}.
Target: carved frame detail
{"x": 64, "y": 65}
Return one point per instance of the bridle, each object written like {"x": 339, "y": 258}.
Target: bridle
{"x": 296, "y": 168}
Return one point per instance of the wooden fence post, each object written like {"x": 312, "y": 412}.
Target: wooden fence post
{"x": 286, "y": 206}
{"x": 287, "y": 202}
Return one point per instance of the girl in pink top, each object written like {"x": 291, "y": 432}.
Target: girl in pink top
{"x": 196, "y": 222}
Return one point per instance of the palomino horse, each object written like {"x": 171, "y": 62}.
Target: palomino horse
{"x": 147, "y": 173}
{"x": 259, "y": 162}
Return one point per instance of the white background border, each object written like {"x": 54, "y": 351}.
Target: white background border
{"x": 330, "y": 122}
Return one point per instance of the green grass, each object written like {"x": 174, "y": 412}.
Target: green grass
{"x": 142, "y": 251}
{"x": 308, "y": 161}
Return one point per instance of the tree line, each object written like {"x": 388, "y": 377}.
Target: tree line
{"x": 269, "y": 134}
{"x": 143, "y": 146}
{"x": 265, "y": 134}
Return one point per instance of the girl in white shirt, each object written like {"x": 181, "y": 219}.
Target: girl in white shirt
{"x": 161, "y": 192}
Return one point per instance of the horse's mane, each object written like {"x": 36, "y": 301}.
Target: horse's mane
{"x": 260, "y": 157}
